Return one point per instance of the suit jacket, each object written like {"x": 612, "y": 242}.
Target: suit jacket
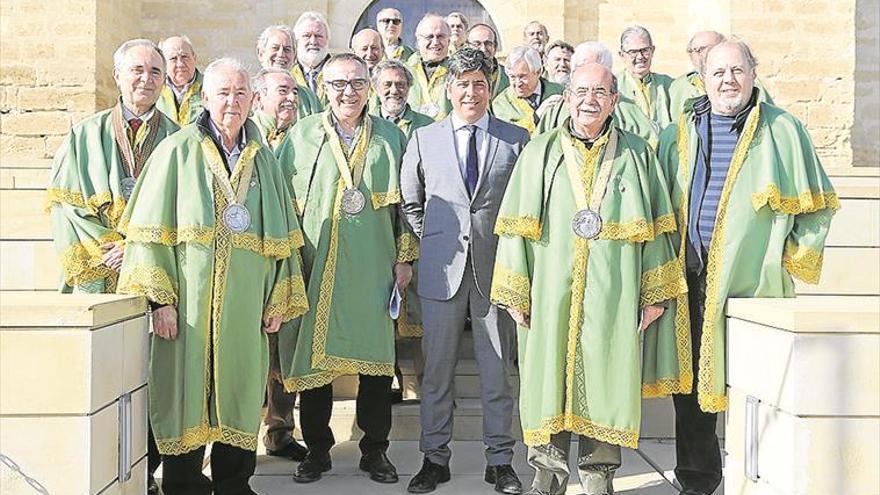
{"x": 451, "y": 224}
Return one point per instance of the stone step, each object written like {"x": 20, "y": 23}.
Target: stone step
{"x": 856, "y": 224}
{"x": 29, "y": 265}
{"x": 23, "y": 215}
{"x": 24, "y": 178}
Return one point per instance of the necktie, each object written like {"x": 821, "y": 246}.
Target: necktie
{"x": 471, "y": 163}
{"x": 134, "y": 124}
{"x": 313, "y": 80}
{"x": 533, "y": 101}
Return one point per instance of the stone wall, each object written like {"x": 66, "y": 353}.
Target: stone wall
{"x": 866, "y": 125}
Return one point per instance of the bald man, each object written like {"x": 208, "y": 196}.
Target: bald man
{"x": 428, "y": 67}
{"x": 367, "y": 44}
{"x": 587, "y": 287}
{"x": 181, "y": 98}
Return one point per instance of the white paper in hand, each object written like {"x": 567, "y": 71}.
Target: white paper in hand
{"x": 394, "y": 303}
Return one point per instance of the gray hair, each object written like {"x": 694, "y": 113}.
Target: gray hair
{"x": 743, "y": 47}
{"x": 543, "y": 27}
{"x": 392, "y": 64}
{"x": 232, "y": 63}
{"x": 461, "y": 17}
{"x": 258, "y": 83}
{"x": 638, "y": 31}
{"x": 586, "y": 49}
{"x": 721, "y": 39}
{"x": 264, "y": 36}
{"x": 119, "y": 54}
{"x": 431, "y": 16}
{"x": 559, "y": 44}
{"x": 347, "y": 57}
{"x": 185, "y": 39}
{"x": 527, "y": 54}
{"x": 310, "y": 16}
{"x": 466, "y": 60}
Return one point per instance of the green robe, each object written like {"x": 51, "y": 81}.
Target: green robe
{"x": 208, "y": 384}
{"x": 500, "y": 81}
{"x": 579, "y": 360}
{"x": 316, "y": 100}
{"x": 690, "y": 85}
{"x": 409, "y": 122}
{"x": 772, "y": 219}
{"x": 428, "y": 96}
{"x": 630, "y": 111}
{"x": 347, "y": 260}
{"x": 511, "y": 108}
{"x": 272, "y": 138}
{"x": 190, "y": 103}
{"x": 85, "y": 202}
{"x": 401, "y": 53}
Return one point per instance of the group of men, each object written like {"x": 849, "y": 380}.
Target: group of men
{"x": 270, "y": 219}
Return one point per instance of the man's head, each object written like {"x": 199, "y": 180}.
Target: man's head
{"x": 591, "y": 98}
{"x": 458, "y": 26}
{"x": 432, "y": 36}
{"x": 347, "y": 84}
{"x": 592, "y": 52}
{"x": 278, "y": 95}
{"x": 139, "y": 72}
{"x": 392, "y": 80}
{"x": 275, "y": 47}
{"x": 467, "y": 84}
{"x": 389, "y": 21}
{"x": 180, "y": 59}
{"x": 524, "y": 68}
{"x": 312, "y": 38}
{"x": 367, "y": 44}
{"x": 637, "y": 50}
{"x": 535, "y": 35}
{"x": 558, "y": 62}
{"x": 700, "y": 43}
{"x": 482, "y": 37}
{"x": 729, "y": 76}
{"x": 226, "y": 93}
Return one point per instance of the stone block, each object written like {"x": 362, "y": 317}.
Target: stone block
{"x": 856, "y": 224}
{"x": 23, "y": 215}
{"x": 12, "y": 147}
{"x": 55, "y": 98}
{"x": 839, "y": 277}
{"x": 23, "y": 178}
{"x": 29, "y": 265}
{"x": 36, "y": 123}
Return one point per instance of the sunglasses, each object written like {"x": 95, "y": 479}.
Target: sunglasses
{"x": 396, "y": 22}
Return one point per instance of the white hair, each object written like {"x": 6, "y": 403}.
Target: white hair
{"x": 258, "y": 83}
{"x": 226, "y": 62}
{"x": 183, "y": 37}
{"x": 119, "y": 54}
{"x": 264, "y": 36}
{"x": 311, "y": 16}
{"x": 458, "y": 15}
{"x": 592, "y": 50}
{"x": 525, "y": 53}
{"x": 432, "y": 16}
{"x": 637, "y": 31}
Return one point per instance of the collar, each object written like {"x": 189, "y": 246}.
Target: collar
{"x": 584, "y": 139}
{"x": 393, "y": 118}
{"x": 128, "y": 114}
{"x": 434, "y": 64}
{"x": 342, "y": 133}
{"x": 218, "y": 138}
{"x": 537, "y": 91}
{"x": 645, "y": 80}
{"x": 185, "y": 87}
{"x": 702, "y": 108}
{"x": 482, "y": 123}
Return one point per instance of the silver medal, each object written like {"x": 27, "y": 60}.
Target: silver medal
{"x": 127, "y": 186}
{"x": 353, "y": 201}
{"x": 586, "y": 224}
{"x": 236, "y": 217}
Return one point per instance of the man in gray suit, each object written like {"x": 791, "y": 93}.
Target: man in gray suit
{"x": 453, "y": 177}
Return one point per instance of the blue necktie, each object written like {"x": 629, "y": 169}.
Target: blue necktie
{"x": 471, "y": 163}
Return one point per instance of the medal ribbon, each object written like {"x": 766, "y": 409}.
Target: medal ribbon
{"x": 241, "y": 176}
{"x": 600, "y": 185}
{"x": 134, "y": 157}
{"x": 351, "y": 168}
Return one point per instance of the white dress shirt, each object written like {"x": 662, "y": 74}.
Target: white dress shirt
{"x": 462, "y": 136}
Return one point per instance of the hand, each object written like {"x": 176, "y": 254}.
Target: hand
{"x": 113, "y": 253}
{"x": 521, "y": 319}
{"x": 650, "y": 314}
{"x": 165, "y": 322}
{"x": 549, "y": 102}
{"x": 271, "y": 324}
{"x": 403, "y": 273}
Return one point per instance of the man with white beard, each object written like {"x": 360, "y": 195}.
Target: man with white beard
{"x": 275, "y": 50}
{"x": 312, "y": 35}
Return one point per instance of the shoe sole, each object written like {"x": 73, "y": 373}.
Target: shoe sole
{"x": 491, "y": 480}
{"x": 441, "y": 480}
{"x": 387, "y": 481}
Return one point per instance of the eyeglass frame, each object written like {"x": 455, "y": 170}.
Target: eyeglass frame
{"x": 348, "y": 82}
{"x": 645, "y": 52}
{"x": 392, "y": 20}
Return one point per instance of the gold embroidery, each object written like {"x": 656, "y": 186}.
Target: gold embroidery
{"x": 576, "y": 424}
{"x": 527, "y": 114}
{"x": 802, "y": 262}
{"x": 511, "y": 289}
{"x": 59, "y": 196}
{"x": 638, "y": 230}
{"x": 407, "y": 248}
{"x": 288, "y": 299}
{"x": 662, "y": 283}
{"x": 151, "y": 282}
{"x": 527, "y": 227}
{"x": 203, "y": 434}
{"x": 82, "y": 262}
{"x": 382, "y": 199}
{"x": 166, "y": 236}
{"x": 805, "y": 202}
{"x": 663, "y": 388}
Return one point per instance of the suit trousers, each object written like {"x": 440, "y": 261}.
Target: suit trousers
{"x": 494, "y": 342}
{"x": 373, "y": 410}
{"x": 279, "y": 403}
{"x": 697, "y": 450}
{"x": 231, "y": 468}
{"x": 596, "y": 462}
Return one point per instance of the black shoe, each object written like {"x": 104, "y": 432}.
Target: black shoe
{"x": 427, "y": 479}
{"x": 152, "y": 486}
{"x": 310, "y": 469}
{"x": 293, "y": 451}
{"x": 396, "y": 396}
{"x": 380, "y": 468}
{"x": 688, "y": 491}
{"x": 504, "y": 478}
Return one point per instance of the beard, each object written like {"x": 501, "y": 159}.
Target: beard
{"x": 732, "y": 105}
{"x": 562, "y": 78}
{"x": 312, "y": 58}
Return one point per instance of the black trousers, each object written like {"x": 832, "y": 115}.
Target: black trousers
{"x": 231, "y": 468}
{"x": 696, "y": 444}
{"x": 373, "y": 415}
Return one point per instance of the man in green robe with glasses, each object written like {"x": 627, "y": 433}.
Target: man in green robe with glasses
{"x": 586, "y": 268}
{"x": 344, "y": 165}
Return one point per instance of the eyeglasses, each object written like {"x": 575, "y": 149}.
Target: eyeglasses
{"x": 431, "y": 37}
{"x": 396, "y": 22}
{"x": 600, "y": 93}
{"x": 340, "y": 84}
{"x": 645, "y": 52}
{"x": 478, "y": 44}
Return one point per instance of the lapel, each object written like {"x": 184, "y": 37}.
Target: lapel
{"x": 491, "y": 150}
{"x": 447, "y": 133}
